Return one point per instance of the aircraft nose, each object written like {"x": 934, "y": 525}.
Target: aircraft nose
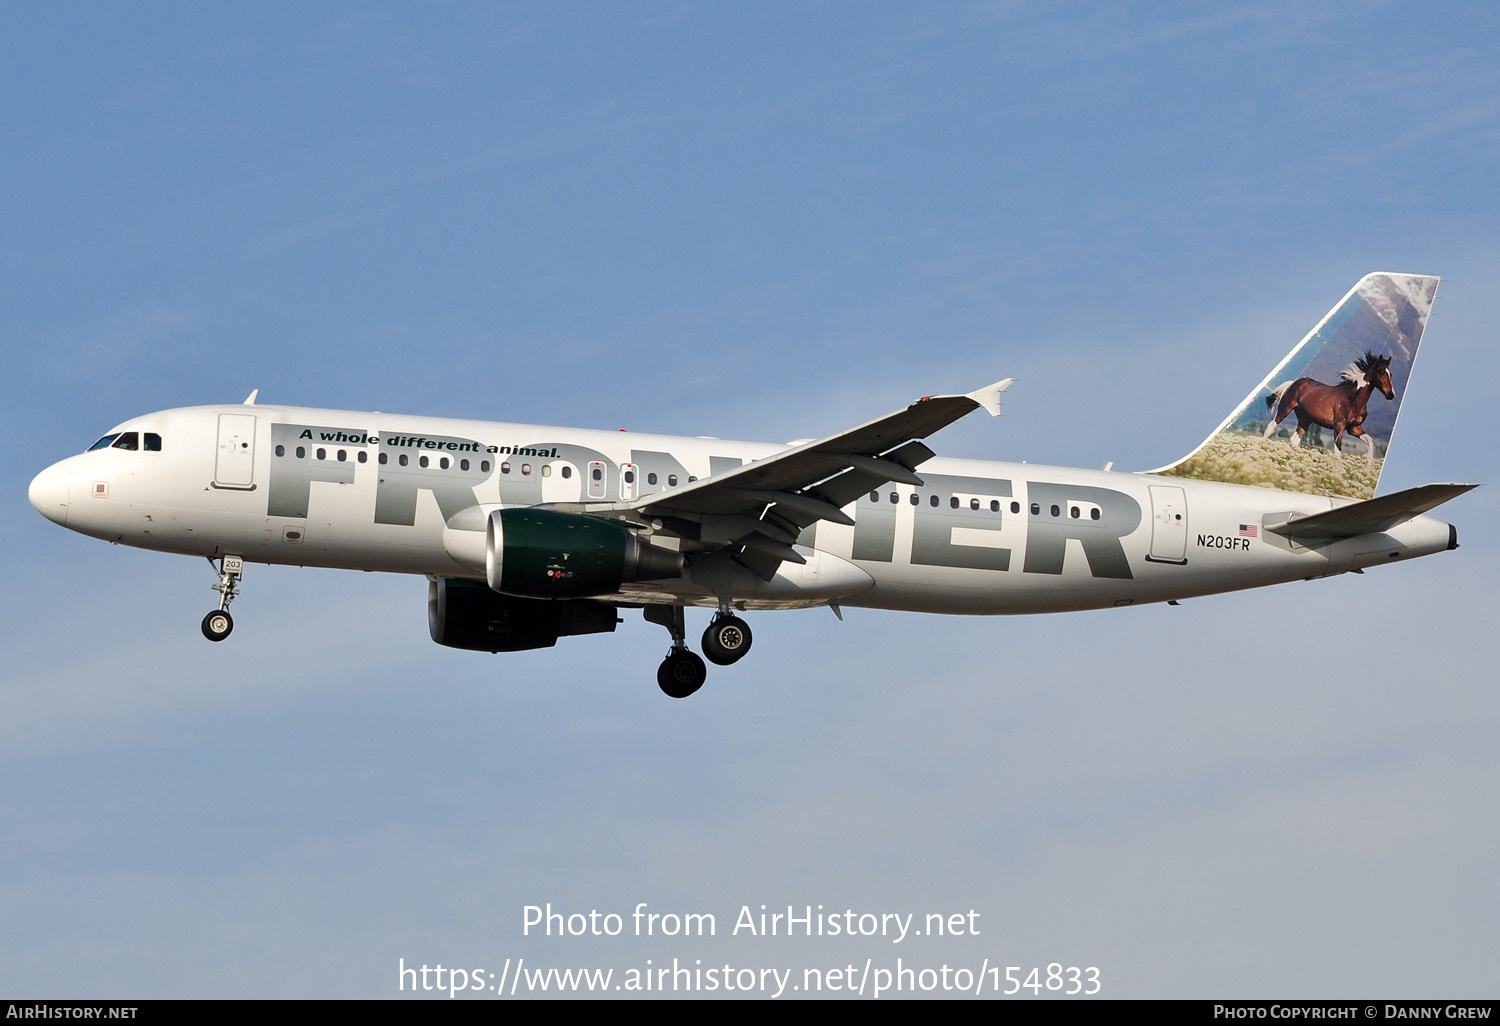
{"x": 49, "y": 494}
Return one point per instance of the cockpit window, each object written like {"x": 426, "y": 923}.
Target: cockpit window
{"x": 129, "y": 440}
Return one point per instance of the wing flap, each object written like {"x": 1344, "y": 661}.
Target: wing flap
{"x": 806, "y": 505}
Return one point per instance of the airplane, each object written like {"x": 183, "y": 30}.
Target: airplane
{"x": 527, "y": 534}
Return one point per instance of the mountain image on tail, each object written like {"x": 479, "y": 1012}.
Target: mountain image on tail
{"x": 1322, "y": 420}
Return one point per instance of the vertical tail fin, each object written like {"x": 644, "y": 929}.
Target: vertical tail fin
{"x": 1344, "y": 381}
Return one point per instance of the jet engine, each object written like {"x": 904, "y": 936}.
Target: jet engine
{"x": 467, "y": 614}
{"x": 537, "y": 553}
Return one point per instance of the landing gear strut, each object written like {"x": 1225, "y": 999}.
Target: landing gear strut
{"x": 681, "y": 673}
{"x": 727, "y": 639}
{"x": 218, "y": 623}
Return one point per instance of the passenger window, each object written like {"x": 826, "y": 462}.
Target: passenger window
{"x": 301, "y": 452}
{"x": 363, "y": 456}
{"x": 526, "y": 469}
{"x": 422, "y": 462}
{"x": 505, "y": 467}
{"x": 568, "y": 472}
{"x": 651, "y": 478}
{"x": 1073, "y": 512}
{"x": 1056, "y": 511}
{"x": 463, "y": 464}
{"x": 129, "y": 440}
{"x": 994, "y": 505}
{"x": 671, "y": 480}
{"x": 915, "y": 499}
{"x": 874, "y": 496}
{"x": 630, "y": 477}
{"x": 1036, "y": 509}
{"x": 281, "y": 450}
{"x": 953, "y": 502}
{"x": 382, "y": 459}
{"x": 1015, "y": 507}
{"x": 402, "y": 459}
{"x": 444, "y": 463}
{"x": 485, "y": 466}
{"x": 343, "y": 455}
{"x": 973, "y": 503}
{"x": 895, "y": 497}
{"x": 597, "y": 473}
{"x": 322, "y": 454}
{"x": 1094, "y": 514}
{"x": 933, "y": 501}
{"x": 153, "y": 442}
{"x": 547, "y": 470}
{"x": 691, "y": 479}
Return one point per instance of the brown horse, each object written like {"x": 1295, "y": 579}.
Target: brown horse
{"x": 1340, "y": 407}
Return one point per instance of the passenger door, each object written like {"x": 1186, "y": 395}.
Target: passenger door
{"x": 234, "y": 465}
{"x": 1168, "y": 525}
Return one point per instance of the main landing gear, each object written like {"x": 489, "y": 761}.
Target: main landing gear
{"x": 218, "y": 623}
{"x": 727, "y": 639}
{"x": 682, "y": 673}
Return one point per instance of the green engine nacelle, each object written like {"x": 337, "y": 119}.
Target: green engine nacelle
{"x": 536, "y": 553}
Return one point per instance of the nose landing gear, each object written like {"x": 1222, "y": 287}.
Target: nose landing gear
{"x": 218, "y": 623}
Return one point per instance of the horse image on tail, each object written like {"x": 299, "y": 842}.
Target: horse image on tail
{"x": 1341, "y": 407}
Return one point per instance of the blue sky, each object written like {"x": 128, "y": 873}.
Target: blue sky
{"x": 767, "y": 222}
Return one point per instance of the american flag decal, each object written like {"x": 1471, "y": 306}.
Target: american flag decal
{"x": 1249, "y": 531}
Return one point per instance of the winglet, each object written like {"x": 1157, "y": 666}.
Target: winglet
{"x": 250, "y": 399}
{"x": 989, "y": 396}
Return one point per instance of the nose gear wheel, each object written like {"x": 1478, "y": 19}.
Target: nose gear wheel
{"x": 217, "y": 624}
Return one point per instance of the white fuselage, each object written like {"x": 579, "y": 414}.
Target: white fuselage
{"x": 406, "y": 494}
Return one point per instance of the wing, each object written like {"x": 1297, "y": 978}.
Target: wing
{"x": 760, "y": 508}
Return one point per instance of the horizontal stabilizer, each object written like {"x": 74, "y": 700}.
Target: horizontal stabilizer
{"x": 1371, "y": 516}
